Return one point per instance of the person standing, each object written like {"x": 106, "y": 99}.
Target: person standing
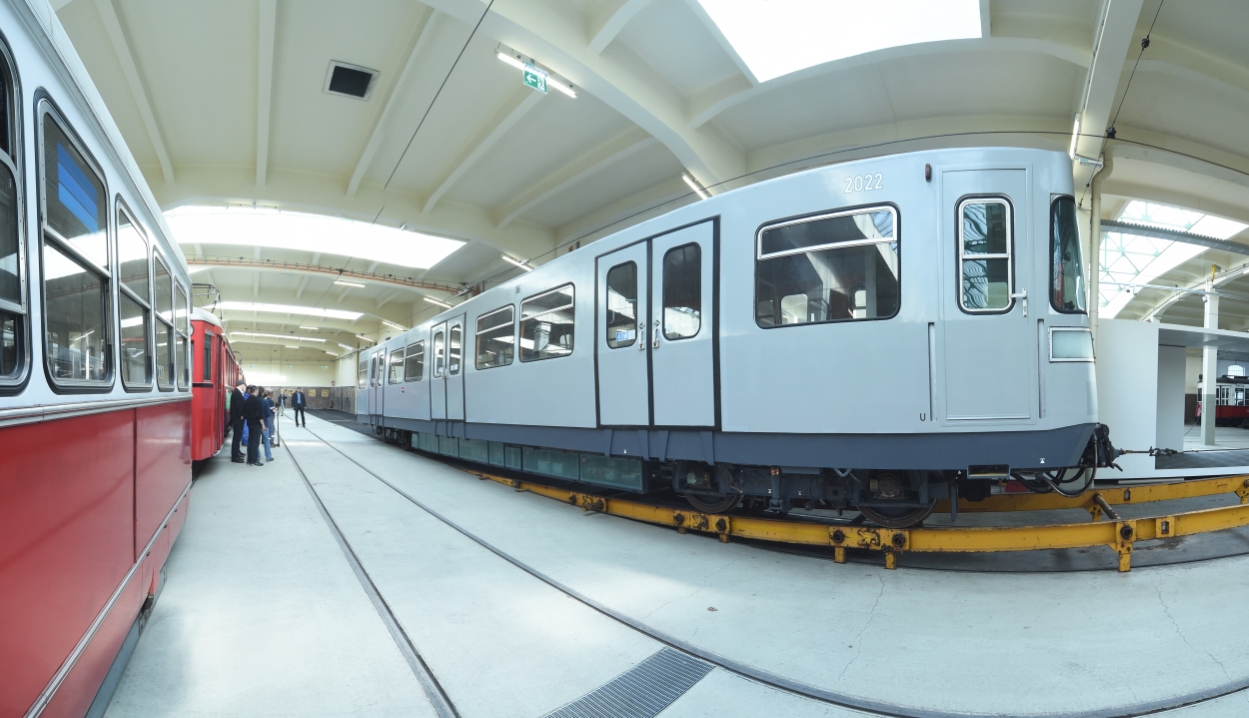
{"x": 267, "y": 436}
{"x": 236, "y": 422}
{"x": 282, "y": 403}
{"x": 254, "y": 414}
{"x": 299, "y": 403}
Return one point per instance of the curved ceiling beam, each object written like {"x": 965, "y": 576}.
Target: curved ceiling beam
{"x": 336, "y": 273}
{"x": 558, "y": 40}
{"x": 609, "y": 18}
{"x": 706, "y": 107}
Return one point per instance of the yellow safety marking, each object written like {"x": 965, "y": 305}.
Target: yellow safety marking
{"x": 1120, "y": 536}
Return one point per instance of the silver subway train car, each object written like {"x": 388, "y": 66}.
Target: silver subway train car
{"x": 873, "y": 335}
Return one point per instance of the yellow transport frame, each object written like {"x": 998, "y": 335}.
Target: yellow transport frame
{"x": 1117, "y": 533}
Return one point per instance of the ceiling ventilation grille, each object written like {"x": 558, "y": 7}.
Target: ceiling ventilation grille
{"x": 350, "y": 80}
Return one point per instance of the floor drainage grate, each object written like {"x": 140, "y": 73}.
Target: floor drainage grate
{"x": 642, "y": 691}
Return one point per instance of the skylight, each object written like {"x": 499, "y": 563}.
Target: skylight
{"x": 278, "y": 229}
{"x": 777, "y": 37}
{"x": 1130, "y": 259}
{"x": 289, "y": 309}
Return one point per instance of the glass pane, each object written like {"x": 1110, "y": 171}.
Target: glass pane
{"x": 439, "y": 354}
{"x": 10, "y": 326}
{"x": 495, "y": 338}
{"x": 415, "y": 370}
{"x": 135, "y": 327}
{"x": 546, "y": 325}
{"x": 184, "y": 311}
{"x": 74, "y": 196}
{"x": 801, "y": 234}
{"x": 164, "y": 355}
{"x": 10, "y": 277}
{"x": 184, "y": 371}
{"x": 76, "y": 309}
{"x": 395, "y": 374}
{"x": 985, "y": 228}
{"x": 162, "y": 287}
{"x": 362, "y": 376}
{"x": 453, "y": 352}
{"x": 622, "y": 303}
{"x": 829, "y": 285}
{"x": 206, "y": 371}
{"x": 1067, "y": 288}
{"x": 986, "y": 283}
{"x": 1071, "y": 345}
{"x": 683, "y": 292}
{"x": 132, "y": 256}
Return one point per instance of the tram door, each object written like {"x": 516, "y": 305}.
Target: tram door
{"x": 377, "y": 386}
{"x": 990, "y": 316}
{"x": 656, "y": 344}
{"x": 438, "y": 374}
{"x": 455, "y": 368}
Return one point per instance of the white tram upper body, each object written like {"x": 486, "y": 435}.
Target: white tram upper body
{"x": 846, "y": 335}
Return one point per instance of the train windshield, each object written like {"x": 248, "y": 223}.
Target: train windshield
{"x": 1067, "y": 292}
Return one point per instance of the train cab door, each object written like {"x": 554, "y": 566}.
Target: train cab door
{"x": 989, "y": 347}
{"x": 656, "y": 349}
{"x": 438, "y": 373}
{"x": 455, "y": 369}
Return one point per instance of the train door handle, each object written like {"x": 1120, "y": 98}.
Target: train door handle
{"x": 642, "y": 337}
{"x": 1024, "y": 296}
{"x": 655, "y": 336}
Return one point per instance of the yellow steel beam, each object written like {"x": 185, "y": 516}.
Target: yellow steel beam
{"x": 1147, "y": 493}
{"x": 1120, "y": 536}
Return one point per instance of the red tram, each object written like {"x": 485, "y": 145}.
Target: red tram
{"x": 95, "y": 381}
{"x": 215, "y": 369}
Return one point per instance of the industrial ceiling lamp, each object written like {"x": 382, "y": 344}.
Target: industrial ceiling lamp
{"x": 392, "y": 325}
{"x": 439, "y": 302}
{"x": 698, "y": 189}
{"x": 517, "y": 262}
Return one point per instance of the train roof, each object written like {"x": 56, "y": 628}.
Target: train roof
{"x": 203, "y": 315}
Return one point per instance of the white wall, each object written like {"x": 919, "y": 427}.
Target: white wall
{"x": 1172, "y": 363}
{"x": 1192, "y": 370}
{"x": 1127, "y": 389}
{"x": 278, "y": 373}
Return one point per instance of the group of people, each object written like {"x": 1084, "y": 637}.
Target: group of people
{"x": 252, "y": 407}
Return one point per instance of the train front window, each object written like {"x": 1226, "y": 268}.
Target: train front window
{"x": 395, "y": 371}
{"x": 496, "y": 338}
{"x": 984, "y": 245}
{"x": 622, "y": 302}
{"x": 362, "y": 375}
{"x": 836, "y": 267}
{"x": 1067, "y": 291}
{"x": 546, "y": 324}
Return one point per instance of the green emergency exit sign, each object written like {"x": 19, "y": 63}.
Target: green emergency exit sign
{"x": 535, "y": 78}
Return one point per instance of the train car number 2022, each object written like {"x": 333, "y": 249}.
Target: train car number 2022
{"x": 865, "y": 183}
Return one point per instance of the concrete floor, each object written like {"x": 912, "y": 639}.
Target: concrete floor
{"x": 262, "y": 614}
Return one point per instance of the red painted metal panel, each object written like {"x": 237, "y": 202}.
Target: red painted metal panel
{"x": 66, "y": 541}
{"x": 162, "y": 467}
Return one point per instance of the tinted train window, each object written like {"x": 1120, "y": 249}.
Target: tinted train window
{"x": 546, "y": 324}
{"x": 1067, "y": 292}
{"x": 683, "y": 291}
{"x": 206, "y": 368}
{"x": 496, "y": 338}
{"x": 162, "y": 285}
{"x": 984, "y": 262}
{"x": 454, "y": 350}
{"x": 76, "y": 292}
{"x": 829, "y": 268}
{"x": 622, "y": 305}
{"x": 395, "y": 370}
{"x": 415, "y": 369}
{"x": 134, "y": 303}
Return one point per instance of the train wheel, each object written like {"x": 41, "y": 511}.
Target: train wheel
{"x": 896, "y": 517}
{"x": 713, "y": 503}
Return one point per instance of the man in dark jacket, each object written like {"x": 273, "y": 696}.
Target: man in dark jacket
{"x": 299, "y": 402}
{"x": 254, "y": 413}
{"x": 236, "y": 423}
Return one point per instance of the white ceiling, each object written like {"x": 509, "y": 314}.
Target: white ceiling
{"x": 223, "y": 103}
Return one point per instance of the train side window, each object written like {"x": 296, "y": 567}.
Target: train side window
{"x": 77, "y": 308}
{"x": 379, "y": 359}
{"x": 395, "y": 371}
{"x": 496, "y": 337}
{"x": 454, "y": 350}
{"x": 622, "y": 304}
{"x": 440, "y": 358}
{"x": 182, "y": 325}
{"x": 842, "y": 266}
{"x": 1067, "y": 291}
{"x": 683, "y": 291}
{"x": 14, "y": 331}
{"x": 206, "y": 372}
{"x": 162, "y": 290}
{"x": 984, "y": 255}
{"x": 414, "y": 370}
{"x": 547, "y": 323}
{"x": 362, "y": 374}
{"x": 134, "y": 303}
